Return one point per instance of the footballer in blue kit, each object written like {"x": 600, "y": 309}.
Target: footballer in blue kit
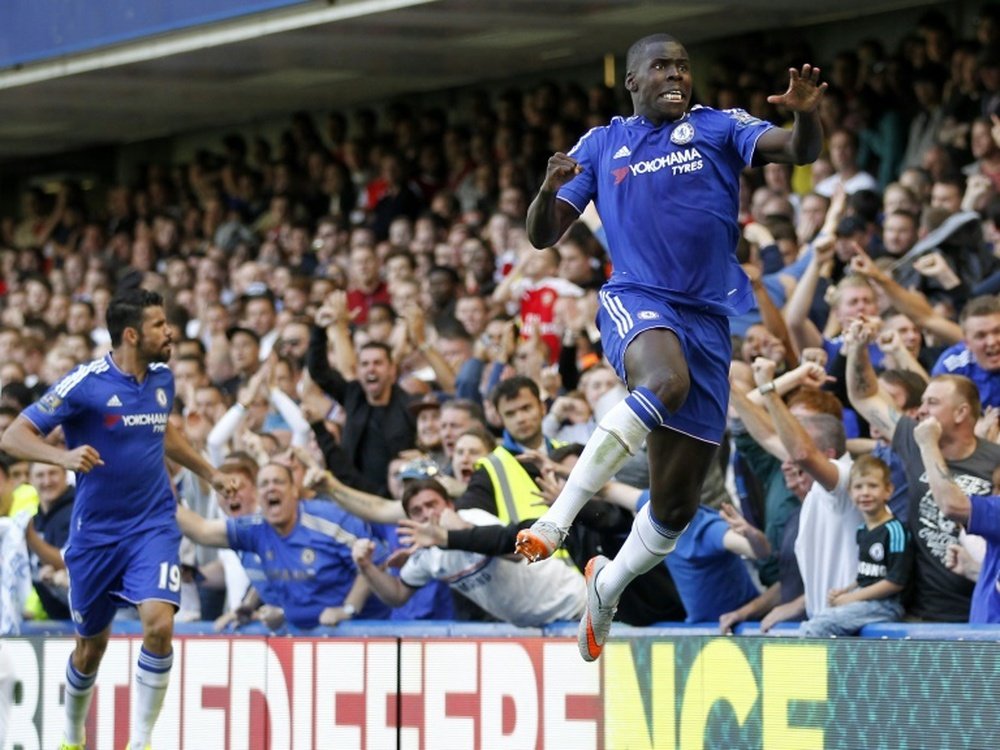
{"x": 665, "y": 182}
{"x": 123, "y": 544}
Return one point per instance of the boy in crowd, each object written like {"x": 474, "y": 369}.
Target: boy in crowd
{"x": 885, "y": 559}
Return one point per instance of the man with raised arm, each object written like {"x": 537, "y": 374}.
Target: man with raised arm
{"x": 937, "y": 594}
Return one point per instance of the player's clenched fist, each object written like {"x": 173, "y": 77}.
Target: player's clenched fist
{"x": 561, "y": 169}
{"x": 362, "y": 552}
{"x": 83, "y": 459}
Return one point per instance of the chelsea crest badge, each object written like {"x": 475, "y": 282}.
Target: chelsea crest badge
{"x": 682, "y": 134}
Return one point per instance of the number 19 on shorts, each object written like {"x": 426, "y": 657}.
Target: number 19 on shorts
{"x": 170, "y": 577}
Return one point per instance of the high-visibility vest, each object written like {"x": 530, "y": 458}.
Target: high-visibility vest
{"x": 514, "y": 489}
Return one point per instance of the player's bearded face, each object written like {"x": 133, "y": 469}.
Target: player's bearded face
{"x": 154, "y": 336}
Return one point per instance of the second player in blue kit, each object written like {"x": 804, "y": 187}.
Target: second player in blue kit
{"x": 123, "y": 545}
{"x": 665, "y": 182}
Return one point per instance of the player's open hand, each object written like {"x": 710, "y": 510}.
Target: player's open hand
{"x": 560, "y": 170}
{"x": 82, "y": 459}
{"x": 421, "y": 535}
{"x": 804, "y": 90}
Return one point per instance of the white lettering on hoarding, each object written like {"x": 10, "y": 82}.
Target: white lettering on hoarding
{"x": 340, "y": 671}
{"x": 206, "y": 666}
{"x": 441, "y": 680}
{"x": 508, "y": 702}
{"x": 21, "y": 727}
{"x": 566, "y": 677}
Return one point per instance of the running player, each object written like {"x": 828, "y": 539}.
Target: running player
{"x": 123, "y": 546}
{"x": 666, "y": 185}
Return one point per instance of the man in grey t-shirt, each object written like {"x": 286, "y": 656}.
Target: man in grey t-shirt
{"x": 937, "y": 594}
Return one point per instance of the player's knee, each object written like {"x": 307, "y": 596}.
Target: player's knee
{"x": 157, "y": 633}
{"x": 676, "y": 517}
{"x": 670, "y": 388}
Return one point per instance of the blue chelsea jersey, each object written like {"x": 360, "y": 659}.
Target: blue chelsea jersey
{"x": 311, "y": 568}
{"x": 125, "y": 421}
{"x": 668, "y": 197}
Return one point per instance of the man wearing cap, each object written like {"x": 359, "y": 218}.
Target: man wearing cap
{"x": 244, "y": 355}
{"x": 427, "y": 412}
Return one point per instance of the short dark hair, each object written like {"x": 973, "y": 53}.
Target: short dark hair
{"x": 127, "y": 309}
{"x": 564, "y": 451}
{"x": 377, "y": 345}
{"x": 510, "y": 387}
{"x": 639, "y": 47}
{"x": 286, "y": 469}
{"x": 911, "y": 383}
{"x": 199, "y": 361}
{"x": 470, "y": 407}
{"x": 978, "y": 307}
{"x": 415, "y": 486}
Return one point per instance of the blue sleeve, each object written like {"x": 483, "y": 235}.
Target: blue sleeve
{"x": 899, "y": 557}
{"x": 984, "y": 518}
{"x": 989, "y": 285}
{"x": 939, "y": 366}
{"x": 712, "y": 533}
{"x": 579, "y": 191}
{"x": 770, "y": 258}
{"x": 832, "y": 349}
{"x": 60, "y": 403}
{"x": 744, "y": 131}
{"x": 796, "y": 269}
{"x": 469, "y": 377}
{"x": 775, "y": 289}
{"x": 494, "y": 378}
{"x": 243, "y": 533}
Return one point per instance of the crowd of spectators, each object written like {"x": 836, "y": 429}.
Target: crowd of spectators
{"x": 365, "y": 338}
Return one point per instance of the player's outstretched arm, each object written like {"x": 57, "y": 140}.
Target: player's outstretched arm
{"x": 803, "y": 143}
{"x": 179, "y": 450}
{"x": 23, "y": 440}
{"x": 200, "y": 530}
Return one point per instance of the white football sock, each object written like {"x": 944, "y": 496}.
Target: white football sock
{"x": 152, "y": 675}
{"x": 79, "y": 692}
{"x": 647, "y": 544}
{"x": 617, "y": 438}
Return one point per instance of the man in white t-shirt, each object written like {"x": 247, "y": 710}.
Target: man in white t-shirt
{"x": 528, "y": 596}
{"x": 826, "y": 548}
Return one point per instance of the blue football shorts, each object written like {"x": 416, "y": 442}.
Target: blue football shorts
{"x": 134, "y": 570}
{"x": 624, "y": 313}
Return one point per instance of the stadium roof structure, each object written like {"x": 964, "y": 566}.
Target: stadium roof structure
{"x": 316, "y": 55}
